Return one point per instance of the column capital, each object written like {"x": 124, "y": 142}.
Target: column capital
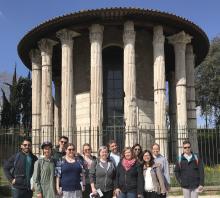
{"x": 158, "y": 37}
{"x": 96, "y": 33}
{"x": 129, "y": 33}
{"x": 46, "y": 46}
{"x": 35, "y": 56}
{"x": 66, "y": 35}
{"x": 179, "y": 38}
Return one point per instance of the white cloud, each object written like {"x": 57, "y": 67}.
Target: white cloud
{"x": 2, "y": 16}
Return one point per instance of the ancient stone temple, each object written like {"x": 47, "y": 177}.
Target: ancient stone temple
{"x": 104, "y": 69}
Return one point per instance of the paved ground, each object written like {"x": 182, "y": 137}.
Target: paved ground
{"x": 202, "y": 196}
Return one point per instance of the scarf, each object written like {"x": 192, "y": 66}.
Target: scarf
{"x": 127, "y": 164}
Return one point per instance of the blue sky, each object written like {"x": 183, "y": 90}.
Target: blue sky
{"x": 19, "y": 16}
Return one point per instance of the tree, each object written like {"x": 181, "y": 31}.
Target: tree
{"x": 16, "y": 110}
{"x": 5, "y": 113}
{"x": 26, "y": 100}
{"x": 208, "y": 83}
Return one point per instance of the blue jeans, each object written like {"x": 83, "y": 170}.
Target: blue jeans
{"x": 21, "y": 193}
{"x": 128, "y": 195}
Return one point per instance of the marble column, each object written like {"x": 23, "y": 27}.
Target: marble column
{"x": 179, "y": 42}
{"x": 57, "y": 109}
{"x": 130, "y": 103}
{"x": 36, "y": 101}
{"x": 67, "y": 87}
{"x": 159, "y": 90}
{"x": 96, "y": 86}
{"x": 191, "y": 105}
{"x": 172, "y": 113}
{"x": 46, "y": 47}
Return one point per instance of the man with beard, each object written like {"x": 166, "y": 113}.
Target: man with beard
{"x": 19, "y": 169}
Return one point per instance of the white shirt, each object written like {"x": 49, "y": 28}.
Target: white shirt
{"x": 148, "y": 182}
{"x": 116, "y": 158}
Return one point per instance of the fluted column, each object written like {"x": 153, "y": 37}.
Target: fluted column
{"x": 172, "y": 113}
{"x": 130, "y": 103}
{"x": 179, "y": 42}
{"x": 36, "y": 99}
{"x": 46, "y": 47}
{"x": 57, "y": 109}
{"x": 67, "y": 88}
{"x": 96, "y": 89}
{"x": 159, "y": 90}
{"x": 191, "y": 106}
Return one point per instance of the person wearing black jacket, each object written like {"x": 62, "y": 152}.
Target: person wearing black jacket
{"x": 189, "y": 172}
{"x": 129, "y": 176}
{"x": 19, "y": 169}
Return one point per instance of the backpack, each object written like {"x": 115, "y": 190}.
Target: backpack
{"x": 195, "y": 156}
{"x": 12, "y": 170}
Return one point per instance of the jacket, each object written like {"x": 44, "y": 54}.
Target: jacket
{"x": 157, "y": 179}
{"x": 100, "y": 177}
{"x": 19, "y": 170}
{"x": 131, "y": 180}
{"x": 43, "y": 177}
{"x": 190, "y": 174}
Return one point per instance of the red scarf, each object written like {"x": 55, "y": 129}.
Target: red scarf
{"x": 127, "y": 164}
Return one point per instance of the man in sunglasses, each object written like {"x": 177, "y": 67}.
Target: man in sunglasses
{"x": 59, "y": 150}
{"x": 19, "y": 169}
{"x": 189, "y": 172}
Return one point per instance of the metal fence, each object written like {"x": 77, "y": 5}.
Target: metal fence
{"x": 208, "y": 140}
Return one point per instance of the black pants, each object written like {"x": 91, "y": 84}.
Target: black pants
{"x": 87, "y": 191}
{"x": 21, "y": 193}
{"x": 151, "y": 195}
{"x": 108, "y": 194}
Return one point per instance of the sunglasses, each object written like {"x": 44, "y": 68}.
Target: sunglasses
{"x": 27, "y": 145}
{"x": 71, "y": 149}
{"x": 186, "y": 147}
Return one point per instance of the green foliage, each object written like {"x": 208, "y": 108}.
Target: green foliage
{"x": 208, "y": 83}
{"x": 16, "y": 111}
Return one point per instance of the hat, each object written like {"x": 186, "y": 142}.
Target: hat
{"x": 47, "y": 143}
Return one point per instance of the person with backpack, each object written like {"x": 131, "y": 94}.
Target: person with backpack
{"x": 18, "y": 170}
{"x": 189, "y": 172}
{"x": 43, "y": 176}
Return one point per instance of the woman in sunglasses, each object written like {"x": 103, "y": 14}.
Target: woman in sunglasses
{"x": 88, "y": 159}
{"x": 137, "y": 150}
{"x": 69, "y": 172}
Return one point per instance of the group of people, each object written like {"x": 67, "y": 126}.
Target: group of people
{"x": 62, "y": 172}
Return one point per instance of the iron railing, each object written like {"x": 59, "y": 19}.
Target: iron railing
{"x": 208, "y": 140}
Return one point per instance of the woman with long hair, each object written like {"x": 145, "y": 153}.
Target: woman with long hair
{"x": 88, "y": 159}
{"x": 153, "y": 178}
{"x": 129, "y": 177}
{"x": 102, "y": 174}
{"x": 70, "y": 177}
{"x": 137, "y": 150}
